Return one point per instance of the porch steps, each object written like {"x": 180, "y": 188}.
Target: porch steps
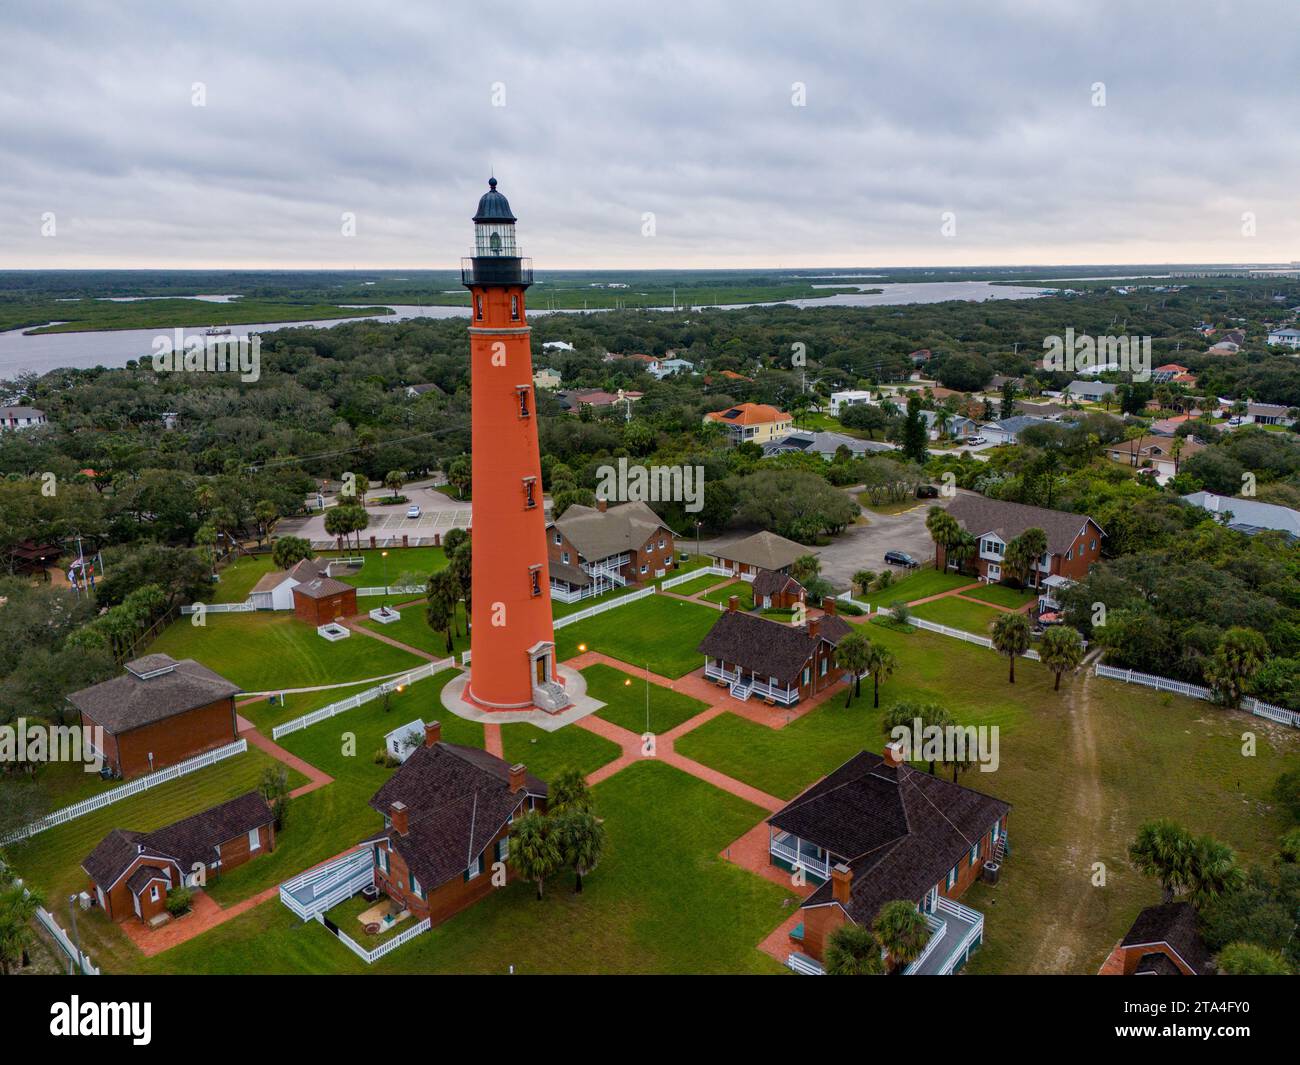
{"x": 740, "y": 689}
{"x": 550, "y": 696}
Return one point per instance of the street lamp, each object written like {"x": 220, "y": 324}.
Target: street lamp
{"x": 384, "y": 556}
{"x": 697, "y": 539}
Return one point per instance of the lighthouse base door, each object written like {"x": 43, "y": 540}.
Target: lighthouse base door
{"x": 541, "y": 655}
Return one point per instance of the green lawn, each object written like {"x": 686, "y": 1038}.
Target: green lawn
{"x": 238, "y": 578}
{"x": 1003, "y": 595}
{"x": 625, "y": 703}
{"x": 661, "y": 901}
{"x": 52, "y": 860}
{"x": 419, "y": 561}
{"x": 958, "y": 614}
{"x": 660, "y": 631}
{"x": 346, "y": 915}
{"x": 268, "y": 651}
{"x": 266, "y": 715}
{"x": 548, "y": 753}
{"x": 921, "y": 583}
{"x": 743, "y": 589}
{"x": 1159, "y": 756}
{"x": 698, "y": 584}
{"x": 413, "y": 629}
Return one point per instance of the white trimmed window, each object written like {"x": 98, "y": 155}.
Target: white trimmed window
{"x": 381, "y": 858}
{"x": 254, "y": 839}
{"x": 952, "y": 877}
{"x": 475, "y": 868}
{"x": 153, "y": 892}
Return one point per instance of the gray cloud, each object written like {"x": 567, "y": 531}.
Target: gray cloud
{"x": 683, "y": 110}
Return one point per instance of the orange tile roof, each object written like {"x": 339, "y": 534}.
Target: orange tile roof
{"x": 748, "y": 414}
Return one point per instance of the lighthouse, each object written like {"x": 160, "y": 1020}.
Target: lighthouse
{"x": 512, "y": 641}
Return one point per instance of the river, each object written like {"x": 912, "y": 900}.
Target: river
{"x": 20, "y": 353}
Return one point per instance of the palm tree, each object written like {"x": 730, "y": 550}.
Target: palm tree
{"x": 1237, "y": 659}
{"x": 805, "y": 568}
{"x": 568, "y": 792}
{"x": 853, "y": 950}
{"x": 881, "y": 664}
{"x": 534, "y": 849}
{"x": 1163, "y": 849}
{"x": 462, "y": 567}
{"x": 904, "y": 715}
{"x": 902, "y": 931}
{"x": 961, "y": 550}
{"x": 1214, "y": 870}
{"x": 1061, "y": 648}
{"x": 943, "y": 529}
{"x": 18, "y": 907}
{"x": 440, "y": 612}
{"x": 581, "y": 839}
{"x": 1033, "y": 544}
{"x": 852, "y": 653}
{"x": 393, "y": 481}
{"x": 337, "y": 523}
{"x": 1011, "y": 638}
{"x": 266, "y": 513}
{"x": 863, "y": 579}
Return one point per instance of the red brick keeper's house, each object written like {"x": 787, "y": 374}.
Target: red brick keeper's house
{"x": 159, "y": 712}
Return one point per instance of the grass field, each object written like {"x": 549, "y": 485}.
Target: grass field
{"x": 659, "y": 631}
{"x": 742, "y": 589}
{"x": 1003, "y": 595}
{"x": 698, "y": 584}
{"x": 958, "y": 614}
{"x": 271, "y": 651}
{"x": 625, "y": 704}
{"x": 417, "y": 561}
{"x": 661, "y": 901}
{"x": 52, "y": 860}
{"x": 548, "y": 753}
{"x": 238, "y": 578}
{"x": 921, "y": 583}
{"x": 412, "y": 628}
{"x": 1157, "y": 756}
{"x": 266, "y": 716}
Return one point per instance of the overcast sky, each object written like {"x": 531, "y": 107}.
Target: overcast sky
{"x": 388, "y": 110}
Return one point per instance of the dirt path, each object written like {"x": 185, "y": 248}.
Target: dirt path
{"x": 1063, "y": 944}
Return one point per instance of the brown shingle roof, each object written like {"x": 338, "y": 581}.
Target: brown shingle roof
{"x": 458, "y": 798}
{"x": 899, "y": 829}
{"x": 770, "y": 582}
{"x": 128, "y": 702}
{"x": 597, "y": 534}
{"x": 766, "y": 550}
{"x": 768, "y": 648}
{"x": 979, "y": 515}
{"x": 1172, "y": 923}
{"x": 322, "y": 588}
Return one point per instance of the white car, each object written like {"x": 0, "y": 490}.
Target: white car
{"x": 413, "y": 511}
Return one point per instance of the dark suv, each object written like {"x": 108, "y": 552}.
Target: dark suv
{"x": 927, "y": 491}
{"x": 901, "y": 558}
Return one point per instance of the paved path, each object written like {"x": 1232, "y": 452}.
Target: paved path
{"x": 354, "y": 623}
{"x": 316, "y": 778}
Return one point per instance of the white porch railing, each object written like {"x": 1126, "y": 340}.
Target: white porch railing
{"x": 937, "y": 929}
{"x": 783, "y": 850}
{"x": 976, "y": 931}
{"x": 423, "y": 672}
{"x": 786, "y": 696}
{"x": 713, "y": 671}
{"x": 125, "y": 791}
{"x": 246, "y": 607}
{"x": 318, "y": 890}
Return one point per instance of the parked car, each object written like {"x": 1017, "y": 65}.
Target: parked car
{"x": 975, "y": 440}
{"x": 413, "y": 511}
{"x": 927, "y": 491}
{"x": 901, "y": 558}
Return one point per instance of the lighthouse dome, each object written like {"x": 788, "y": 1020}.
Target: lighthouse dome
{"x": 492, "y": 206}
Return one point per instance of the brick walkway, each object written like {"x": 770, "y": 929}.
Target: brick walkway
{"x": 942, "y": 595}
{"x": 316, "y": 778}
{"x": 355, "y": 625}
{"x": 492, "y": 740}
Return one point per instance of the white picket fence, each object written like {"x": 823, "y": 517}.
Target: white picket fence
{"x": 1249, "y": 703}
{"x": 600, "y": 608}
{"x": 77, "y": 957}
{"x": 125, "y": 791}
{"x": 690, "y": 575}
{"x": 395, "y": 589}
{"x": 956, "y": 634}
{"x": 245, "y": 607}
{"x": 372, "y": 956}
{"x": 423, "y": 672}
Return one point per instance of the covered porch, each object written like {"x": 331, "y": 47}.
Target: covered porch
{"x": 743, "y": 683}
{"x": 791, "y": 852}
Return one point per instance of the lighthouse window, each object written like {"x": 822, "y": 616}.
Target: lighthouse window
{"x": 534, "y": 580}
{"x": 514, "y": 308}
{"x": 530, "y": 496}
{"x": 478, "y": 307}
{"x": 523, "y": 400}
{"x": 494, "y": 242}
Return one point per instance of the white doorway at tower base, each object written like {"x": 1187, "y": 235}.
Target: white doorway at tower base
{"x": 575, "y": 686}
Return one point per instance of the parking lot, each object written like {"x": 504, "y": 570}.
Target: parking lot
{"x": 388, "y": 524}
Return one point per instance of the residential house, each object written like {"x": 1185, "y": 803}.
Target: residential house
{"x": 595, "y": 549}
{"x": 21, "y": 418}
{"x": 1169, "y": 426}
{"x": 775, "y": 661}
{"x": 855, "y": 397}
{"x": 557, "y": 345}
{"x": 447, "y": 816}
{"x": 1163, "y": 454}
{"x": 764, "y": 550}
{"x": 274, "y": 591}
{"x": 825, "y": 444}
{"x": 1248, "y": 515}
{"x": 416, "y": 391}
{"x": 544, "y": 377}
{"x": 752, "y": 423}
{"x": 1268, "y": 414}
{"x": 921, "y": 356}
{"x": 132, "y": 872}
{"x": 1008, "y": 430}
{"x": 648, "y": 363}
{"x": 778, "y": 591}
{"x": 669, "y": 367}
{"x": 1163, "y": 941}
{"x": 1073, "y": 540}
{"x": 157, "y": 713}
{"x": 1091, "y": 391}
{"x": 323, "y": 600}
{"x": 940, "y": 424}
{"x": 573, "y": 400}
{"x": 1173, "y": 373}
{"x": 876, "y": 831}
{"x": 1280, "y": 338}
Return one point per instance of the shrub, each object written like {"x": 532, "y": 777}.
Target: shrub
{"x": 852, "y": 609}
{"x": 178, "y": 901}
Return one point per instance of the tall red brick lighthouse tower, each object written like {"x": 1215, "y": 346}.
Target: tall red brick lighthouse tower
{"x": 512, "y": 644}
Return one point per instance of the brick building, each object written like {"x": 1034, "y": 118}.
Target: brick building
{"x": 159, "y": 712}
{"x": 324, "y": 599}
{"x": 594, "y": 549}
{"x": 1073, "y": 540}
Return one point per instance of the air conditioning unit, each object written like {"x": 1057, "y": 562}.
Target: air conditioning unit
{"x": 85, "y": 900}
{"x": 990, "y": 872}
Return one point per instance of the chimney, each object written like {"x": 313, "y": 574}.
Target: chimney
{"x": 732, "y": 603}
{"x": 893, "y": 754}
{"x": 432, "y": 733}
{"x": 841, "y": 882}
{"x": 828, "y": 606}
{"x": 517, "y": 772}
{"x": 814, "y": 627}
{"x": 601, "y": 504}
{"x": 400, "y": 816}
